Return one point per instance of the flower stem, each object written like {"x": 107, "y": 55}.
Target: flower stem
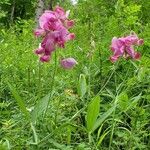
{"x": 112, "y": 130}
{"x": 52, "y": 85}
{"x": 110, "y": 76}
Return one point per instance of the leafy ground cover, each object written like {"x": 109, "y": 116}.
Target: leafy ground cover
{"x": 97, "y": 104}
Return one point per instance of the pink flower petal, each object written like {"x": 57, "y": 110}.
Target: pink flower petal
{"x": 130, "y": 51}
{"x": 137, "y": 55}
{"x": 71, "y": 36}
{"x": 60, "y": 13}
{"x": 118, "y": 49}
{"x": 68, "y": 63}
{"x": 116, "y": 44}
{"x": 39, "y": 32}
{"x": 48, "y": 43}
{"x": 48, "y": 21}
{"x": 114, "y": 58}
{"x": 39, "y": 51}
{"x": 45, "y": 58}
{"x": 140, "y": 42}
{"x": 69, "y": 23}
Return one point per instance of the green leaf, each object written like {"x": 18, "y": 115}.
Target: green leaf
{"x": 102, "y": 118}
{"x": 40, "y": 107}
{"x": 82, "y": 87}
{"x": 58, "y": 145}
{"x": 34, "y": 134}
{"x": 123, "y": 101}
{"x": 5, "y": 145}
{"x": 93, "y": 112}
{"x": 102, "y": 137}
{"x": 19, "y": 100}
{"x": 142, "y": 74}
{"x": 134, "y": 101}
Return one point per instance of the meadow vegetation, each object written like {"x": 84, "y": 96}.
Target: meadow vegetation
{"x": 98, "y": 104}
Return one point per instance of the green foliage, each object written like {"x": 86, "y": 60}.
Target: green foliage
{"x": 103, "y": 117}
{"x": 4, "y": 145}
{"x": 90, "y": 107}
{"x": 16, "y": 9}
{"x": 40, "y": 107}
{"x": 82, "y": 85}
{"x": 19, "y": 100}
{"x": 92, "y": 112}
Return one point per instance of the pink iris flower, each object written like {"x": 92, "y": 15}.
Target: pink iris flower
{"x": 54, "y": 29}
{"x": 124, "y": 46}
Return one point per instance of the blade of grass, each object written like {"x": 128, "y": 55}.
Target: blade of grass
{"x": 19, "y": 100}
{"x": 102, "y": 118}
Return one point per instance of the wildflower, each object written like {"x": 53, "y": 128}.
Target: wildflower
{"x": 68, "y": 63}
{"x": 54, "y": 30}
{"x": 124, "y": 46}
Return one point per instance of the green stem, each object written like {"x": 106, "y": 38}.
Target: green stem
{"x": 34, "y": 134}
{"x": 39, "y": 79}
{"x": 52, "y": 85}
{"x": 90, "y": 137}
{"x": 29, "y": 77}
{"x": 113, "y": 121}
{"x": 103, "y": 87}
{"x": 100, "y": 66}
{"x": 112, "y": 130}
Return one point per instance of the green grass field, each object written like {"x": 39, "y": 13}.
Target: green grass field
{"x": 97, "y": 105}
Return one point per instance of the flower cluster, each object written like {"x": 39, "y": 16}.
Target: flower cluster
{"x": 53, "y": 29}
{"x": 124, "y": 46}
